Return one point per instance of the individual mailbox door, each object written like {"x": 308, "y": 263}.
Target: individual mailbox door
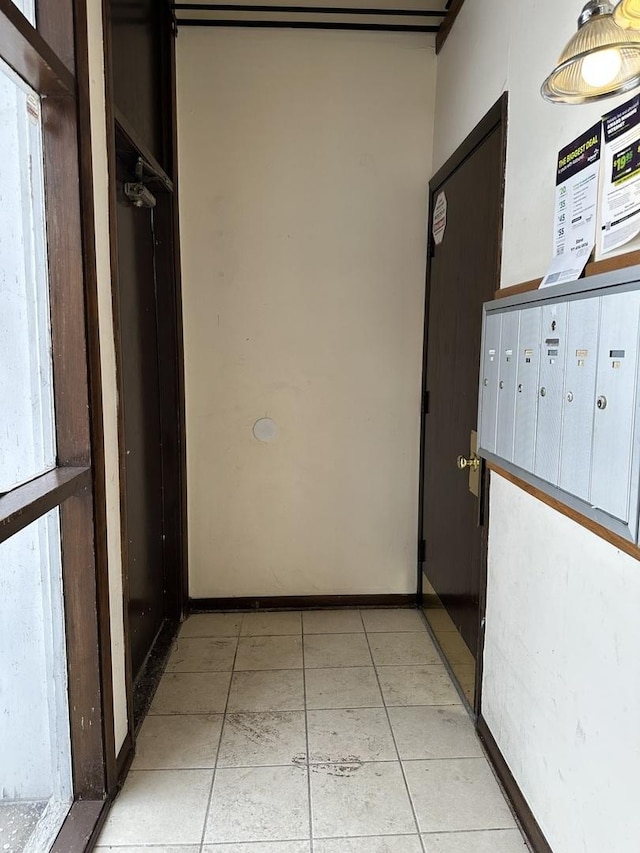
{"x": 549, "y": 426}
{"x": 614, "y": 484}
{"x": 527, "y": 388}
{"x": 490, "y": 365}
{"x": 579, "y": 396}
{"x": 507, "y": 373}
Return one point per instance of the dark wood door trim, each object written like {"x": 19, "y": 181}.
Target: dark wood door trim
{"x": 123, "y": 137}
{"x": 496, "y": 118}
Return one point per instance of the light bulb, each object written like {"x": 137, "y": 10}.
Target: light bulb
{"x": 601, "y": 68}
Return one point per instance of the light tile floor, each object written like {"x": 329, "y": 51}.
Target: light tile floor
{"x": 314, "y": 732}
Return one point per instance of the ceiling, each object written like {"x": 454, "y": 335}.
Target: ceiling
{"x": 386, "y": 15}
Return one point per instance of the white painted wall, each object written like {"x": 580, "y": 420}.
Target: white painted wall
{"x": 108, "y": 363}
{"x": 562, "y": 670}
{"x": 304, "y": 163}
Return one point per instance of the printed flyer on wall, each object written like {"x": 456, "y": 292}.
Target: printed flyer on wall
{"x": 576, "y": 207}
{"x": 620, "y": 204}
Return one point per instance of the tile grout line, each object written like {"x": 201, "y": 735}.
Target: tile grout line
{"x": 395, "y": 743}
{"x": 306, "y": 734}
{"x": 298, "y": 668}
{"x": 215, "y": 767}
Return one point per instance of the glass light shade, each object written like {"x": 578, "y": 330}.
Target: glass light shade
{"x": 627, "y": 14}
{"x": 600, "y": 60}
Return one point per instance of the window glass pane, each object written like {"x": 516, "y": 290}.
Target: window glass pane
{"x": 35, "y": 768}
{"x": 27, "y": 7}
{"x": 27, "y": 445}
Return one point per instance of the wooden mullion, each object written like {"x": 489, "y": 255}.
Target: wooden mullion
{"x": 64, "y": 238}
{"x": 55, "y": 20}
{"x": 22, "y": 506}
{"x": 24, "y": 49}
{"x": 84, "y": 668}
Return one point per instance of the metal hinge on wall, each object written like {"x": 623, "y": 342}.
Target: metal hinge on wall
{"x": 422, "y": 551}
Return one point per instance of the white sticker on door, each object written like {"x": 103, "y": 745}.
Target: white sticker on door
{"x": 439, "y": 218}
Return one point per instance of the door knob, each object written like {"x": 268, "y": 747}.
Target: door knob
{"x": 473, "y": 463}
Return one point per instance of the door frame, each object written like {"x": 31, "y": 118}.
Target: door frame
{"x": 51, "y": 56}
{"x": 121, "y": 133}
{"x": 496, "y": 118}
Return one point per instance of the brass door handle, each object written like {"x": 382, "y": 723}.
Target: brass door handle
{"x": 473, "y": 463}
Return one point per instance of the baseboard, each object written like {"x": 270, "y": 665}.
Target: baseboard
{"x": 535, "y": 836}
{"x": 300, "y": 602}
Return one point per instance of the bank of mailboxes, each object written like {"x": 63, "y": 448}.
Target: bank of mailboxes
{"x": 559, "y": 395}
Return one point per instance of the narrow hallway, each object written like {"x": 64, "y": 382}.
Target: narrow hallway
{"x": 315, "y": 732}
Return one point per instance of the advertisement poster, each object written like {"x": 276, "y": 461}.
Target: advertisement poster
{"x": 620, "y": 206}
{"x": 576, "y": 207}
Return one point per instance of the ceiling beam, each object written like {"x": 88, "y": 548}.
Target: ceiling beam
{"x": 453, "y": 10}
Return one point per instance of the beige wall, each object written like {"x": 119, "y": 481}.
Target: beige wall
{"x": 561, "y": 674}
{"x": 304, "y": 164}
{"x": 108, "y": 363}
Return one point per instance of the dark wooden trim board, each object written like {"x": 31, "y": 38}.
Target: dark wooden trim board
{"x": 125, "y": 758}
{"x": 620, "y": 262}
{"x": 301, "y": 602}
{"x": 82, "y": 826}
{"x": 25, "y": 50}
{"x": 515, "y": 289}
{"x": 529, "y": 824}
{"x": 497, "y": 115}
{"x": 23, "y": 505}
{"x": 447, "y": 25}
{"x": 608, "y": 535}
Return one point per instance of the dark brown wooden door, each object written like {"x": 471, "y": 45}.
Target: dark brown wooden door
{"x": 142, "y": 426}
{"x": 463, "y": 274}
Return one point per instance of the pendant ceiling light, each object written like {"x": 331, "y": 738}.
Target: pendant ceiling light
{"x": 600, "y": 60}
{"x": 627, "y": 14}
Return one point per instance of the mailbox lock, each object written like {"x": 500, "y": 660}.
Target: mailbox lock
{"x": 486, "y": 382}
{"x": 570, "y": 397}
{"x": 520, "y": 388}
{"x": 543, "y": 392}
{"x": 601, "y": 403}
{"x": 501, "y": 384}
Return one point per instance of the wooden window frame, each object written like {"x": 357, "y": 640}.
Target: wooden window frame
{"x": 52, "y": 58}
